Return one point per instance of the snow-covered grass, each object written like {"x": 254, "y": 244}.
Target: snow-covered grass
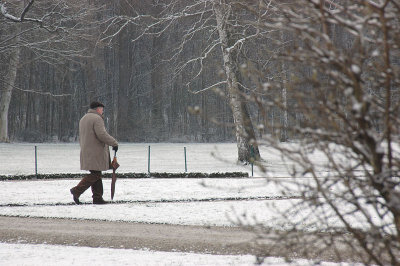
{"x": 171, "y": 201}
{"x": 191, "y": 201}
{"x": 166, "y": 201}
{"x": 19, "y": 158}
{"x": 24, "y": 254}
{"x": 64, "y": 158}
{"x": 143, "y": 200}
{"x": 171, "y": 189}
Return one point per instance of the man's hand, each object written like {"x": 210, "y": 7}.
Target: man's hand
{"x": 115, "y": 148}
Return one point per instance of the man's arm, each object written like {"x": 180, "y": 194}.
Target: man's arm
{"x": 102, "y": 134}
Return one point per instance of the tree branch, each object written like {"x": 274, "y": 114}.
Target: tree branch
{"x": 37, "y": 92}
{"x": 21, "y": 18}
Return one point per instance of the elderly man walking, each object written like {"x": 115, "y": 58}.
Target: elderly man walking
{"x": 95, "y": 154}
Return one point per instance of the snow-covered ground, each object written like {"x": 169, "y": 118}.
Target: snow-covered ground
{"x": 19, "y": 158}
{"x": 171, "y": 201}
{"x": 140, "y": 200}
{"x": 154, "y": 200}
{"x": 38, "y": 255}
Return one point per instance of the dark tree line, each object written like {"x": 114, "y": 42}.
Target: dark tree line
{"x": 152, "y": 63}
{"x": 145, "y": 99}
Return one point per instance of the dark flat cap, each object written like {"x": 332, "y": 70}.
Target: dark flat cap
{"x": 94, "y": 105}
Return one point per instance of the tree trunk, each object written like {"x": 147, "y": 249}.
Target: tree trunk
{"x": 7, "y": 92}
{"x": 157, "y": 118}
{"x": 244, "y": 130}
{"x": 285, "y": 116}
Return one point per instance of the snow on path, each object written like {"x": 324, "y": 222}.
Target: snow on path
{"x": 37, "y": 255}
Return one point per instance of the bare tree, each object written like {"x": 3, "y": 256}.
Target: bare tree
{"x": 11, "y": 73}
{"x": 217, "y": 22}
{"x": 245, "y": 135}
{"x": 343, "y": 93}
{"x": 6, "y": 93}
{"x": 53, "y": 32}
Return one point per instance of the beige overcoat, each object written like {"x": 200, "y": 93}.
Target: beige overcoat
{"x": 95, "y": 142}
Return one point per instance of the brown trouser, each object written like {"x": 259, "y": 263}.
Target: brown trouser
{"x": 91, "y": 180}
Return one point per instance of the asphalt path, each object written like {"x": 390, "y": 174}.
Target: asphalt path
{"x": 159, "y": 237}
{"x": 93, "y": 233}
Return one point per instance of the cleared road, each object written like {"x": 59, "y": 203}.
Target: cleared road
{"x": 161, "y": 237}
{"x": 215, "y": 240}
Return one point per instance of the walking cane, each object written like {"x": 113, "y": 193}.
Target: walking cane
{"x": 114, "y": 165}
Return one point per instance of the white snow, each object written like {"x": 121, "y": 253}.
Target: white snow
{"x": 153, "y": 200}
{"x": 143, "y": 200}
{"x": 375, "y": 53}
{"x": 166, "y": 201}
{"x": 150, "y": 200}
{"x": 19, "y": 158}
{"x": 356, "y": 69}
{"x": 38, "y": 255}
{"x": 64, "y": 158}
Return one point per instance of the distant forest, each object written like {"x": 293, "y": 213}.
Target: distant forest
{"x": 145, "y": 87}
{"x": 159, "y": 69}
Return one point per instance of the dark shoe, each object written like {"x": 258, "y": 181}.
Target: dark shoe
{"x": 99, "y": 201}
{"x": 75, "y": 197}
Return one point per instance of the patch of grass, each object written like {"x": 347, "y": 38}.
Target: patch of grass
{"x": 130, "y": 175}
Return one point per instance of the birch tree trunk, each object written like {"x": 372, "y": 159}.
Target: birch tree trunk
{"x": 244, "y": 130}
{"x": 285, "y": 119}
{"x": 284, "y": 125}
{"x": 6, "y": 93}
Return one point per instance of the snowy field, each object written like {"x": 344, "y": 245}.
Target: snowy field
{"x": 38, "y": 255}
{"x": 167, "y": 201}
{"x": 19, "y": 158}
{"x": 214, "y": 202}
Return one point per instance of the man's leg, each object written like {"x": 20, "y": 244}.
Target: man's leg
{"x": 84, "y": 184}
{"x": 97, "y": 190}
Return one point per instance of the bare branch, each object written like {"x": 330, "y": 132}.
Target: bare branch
{"x": 36, "y": 91}
{"x": 22, "y": 17}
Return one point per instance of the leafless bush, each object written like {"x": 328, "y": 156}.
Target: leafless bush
{"x": 340, "y": 70}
